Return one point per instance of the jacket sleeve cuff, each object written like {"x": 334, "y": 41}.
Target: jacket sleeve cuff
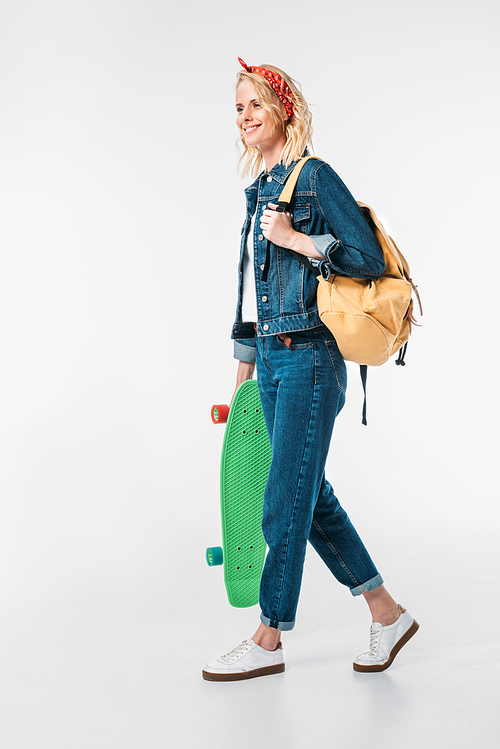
{"x": 245, "y": 351}
{"x": 322, "y": 242}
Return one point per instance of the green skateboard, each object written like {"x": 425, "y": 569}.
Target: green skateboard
{"x": 245, "y": 460}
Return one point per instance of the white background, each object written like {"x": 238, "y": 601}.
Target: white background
{"x": 120, "y": 217}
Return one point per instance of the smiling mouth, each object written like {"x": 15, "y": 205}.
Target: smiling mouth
{"x": 250, "y": 130}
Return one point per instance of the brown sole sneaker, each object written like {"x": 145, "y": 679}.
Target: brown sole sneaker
{"x": 247, "y": 661}
{"x": 377, "y": 667}
{"x": 239, "y": 676}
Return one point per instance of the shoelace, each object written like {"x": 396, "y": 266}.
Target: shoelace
{"x": 239, "y": 650}
{"x": 374, "y": 637}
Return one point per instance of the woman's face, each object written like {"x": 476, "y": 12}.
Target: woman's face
{"x": 254, "y": 121}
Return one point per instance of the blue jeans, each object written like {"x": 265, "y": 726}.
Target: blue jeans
{"x": 302, "y": 388}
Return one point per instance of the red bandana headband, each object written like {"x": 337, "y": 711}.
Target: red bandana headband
{"x": 278, "y": 85}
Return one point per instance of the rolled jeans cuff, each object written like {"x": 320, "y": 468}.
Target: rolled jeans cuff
{"x": 283, "y": 626}
{"x": 375, "y": 582}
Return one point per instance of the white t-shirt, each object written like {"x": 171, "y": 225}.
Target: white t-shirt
{"x": 249, "y": 295}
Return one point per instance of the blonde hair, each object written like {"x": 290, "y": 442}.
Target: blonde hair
{"x": 298, "y": 130}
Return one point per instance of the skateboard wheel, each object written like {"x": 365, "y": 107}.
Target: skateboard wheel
{"x": 215, "y": 556}
{"x": 220, "y": 414}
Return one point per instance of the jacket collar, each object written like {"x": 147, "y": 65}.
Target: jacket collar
{"x": 279, "y": 173}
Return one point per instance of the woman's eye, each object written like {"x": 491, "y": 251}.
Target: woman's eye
{"x": 256, "y": 104}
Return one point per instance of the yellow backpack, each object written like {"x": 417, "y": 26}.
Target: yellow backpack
{"x": 371, "y": 320}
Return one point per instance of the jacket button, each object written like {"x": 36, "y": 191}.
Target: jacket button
{"x": 261, "y": 237}
{"x": 269, "y": 179}
{"x": 265, "y": 327}
{"x": 261, "y": 267}
{"x": 264, "y": 298}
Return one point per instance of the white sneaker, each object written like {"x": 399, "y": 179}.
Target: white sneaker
{"x": 385, "y": 643}
{"x": 246, "y": 661}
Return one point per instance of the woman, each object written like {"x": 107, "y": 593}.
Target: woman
{"x": 301, "y": 374}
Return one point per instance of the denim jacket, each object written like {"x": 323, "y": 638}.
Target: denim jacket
{"x": 323, "y": 208}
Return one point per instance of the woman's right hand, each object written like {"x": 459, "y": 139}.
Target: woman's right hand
{"x": 244, "y": 373}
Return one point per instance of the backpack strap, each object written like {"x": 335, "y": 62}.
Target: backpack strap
{"x": 287, "y": 192}
{"x": 363, "y": 370}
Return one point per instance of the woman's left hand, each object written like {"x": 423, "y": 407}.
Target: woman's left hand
{"x": 277, "y": 227}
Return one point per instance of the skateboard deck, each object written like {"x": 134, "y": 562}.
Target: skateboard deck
{"x": 245, "y": 461}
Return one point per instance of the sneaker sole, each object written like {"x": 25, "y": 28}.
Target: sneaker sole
{"x": 238, "y": 676}
{"x": 397, "y": 647}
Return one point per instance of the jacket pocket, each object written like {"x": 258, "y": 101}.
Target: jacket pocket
{"x": 301, "y": 217}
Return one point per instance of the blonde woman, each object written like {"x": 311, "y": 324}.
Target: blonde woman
{"x": 301, "y": 374}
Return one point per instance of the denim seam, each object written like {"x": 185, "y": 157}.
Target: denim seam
{"x": 328, "y": 344}
{"x": 334, "y": 550}
{"x": 291, "y": 317}
{"x": 280, "y": 318}
{"x": 306, "y": 212}
{"x": 280, "y": 280}
{"x": 315, "y": 352}
{"x": 300, "y": 300}
{"x": 265, "y": 360}
{"x": 279, "y": 586}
